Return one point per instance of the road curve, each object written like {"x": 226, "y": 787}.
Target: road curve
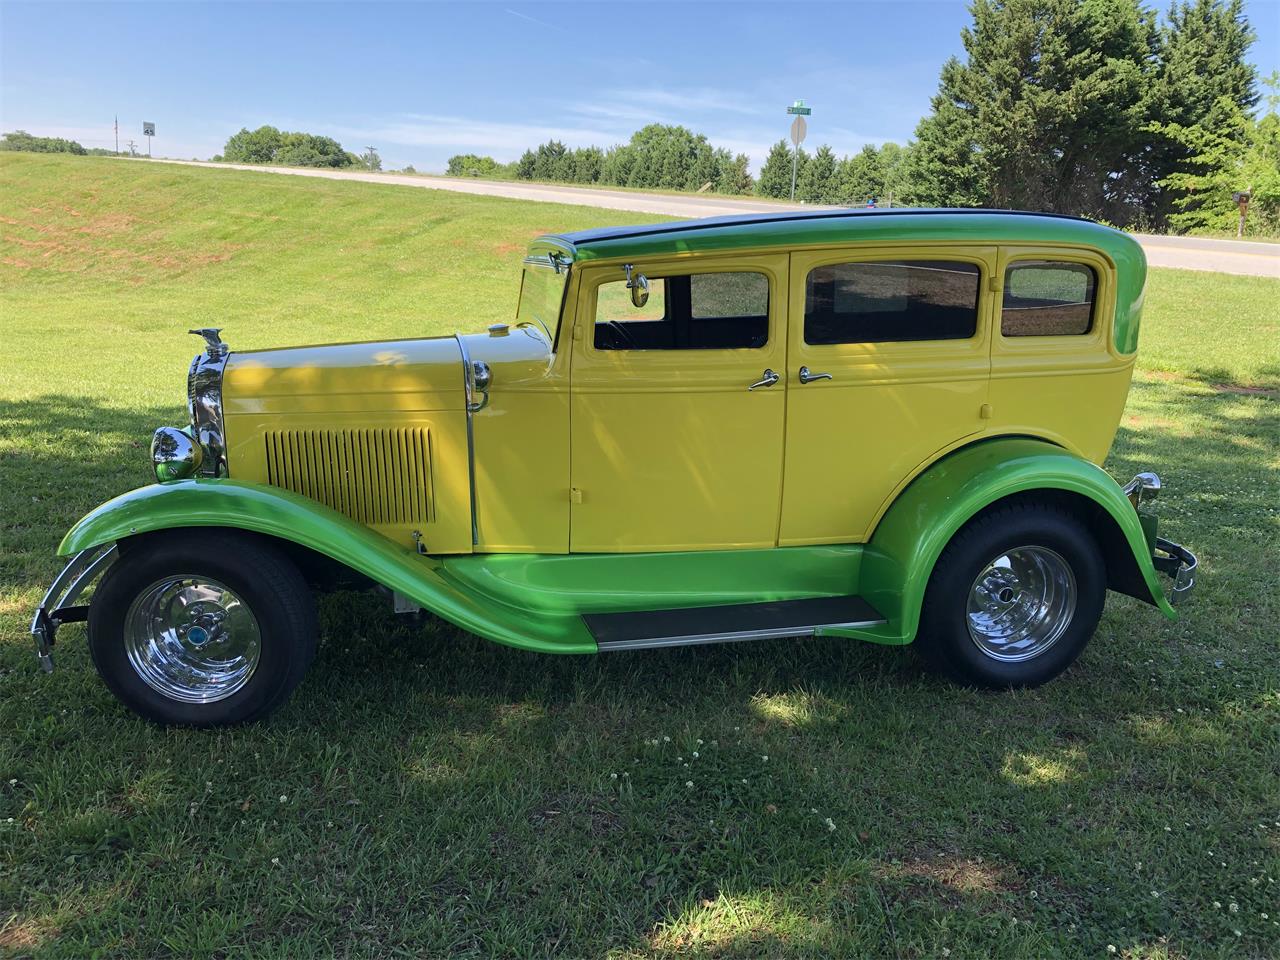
{"x": 1186, "y": 253}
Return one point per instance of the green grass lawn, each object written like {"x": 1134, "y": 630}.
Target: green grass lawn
{"x": 426, "y": 793}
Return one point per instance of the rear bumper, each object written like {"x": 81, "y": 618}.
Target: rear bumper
{"x": 1176, "y": 561}
{"x": 1171, "y": 559}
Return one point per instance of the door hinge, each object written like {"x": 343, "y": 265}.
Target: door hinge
{"x": 577, "y": 331}
{"x": 575, "y": 495}
{"x": 995, "y": 283}
{"x": 984, "y": 411}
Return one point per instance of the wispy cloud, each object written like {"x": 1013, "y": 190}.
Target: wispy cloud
{"x": 525, "y": 16}
{"x": 656, "y": 105}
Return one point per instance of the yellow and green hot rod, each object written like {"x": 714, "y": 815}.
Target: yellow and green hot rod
{"x": 882, "y": 425}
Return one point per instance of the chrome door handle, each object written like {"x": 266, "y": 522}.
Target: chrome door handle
{"x": 807, "y": 377}
{"x": 768, "y": 379}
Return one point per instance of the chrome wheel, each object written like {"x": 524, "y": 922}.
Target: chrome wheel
{"x": 1021, "y": 603}
{"x": 192, "y": 639}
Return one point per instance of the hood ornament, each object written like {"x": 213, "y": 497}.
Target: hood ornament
{"x": 213, "y": 343}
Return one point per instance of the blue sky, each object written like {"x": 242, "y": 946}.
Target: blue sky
{"x": 422, "y": 81}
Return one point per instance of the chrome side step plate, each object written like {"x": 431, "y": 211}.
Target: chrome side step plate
{"x": 731, "y": 623}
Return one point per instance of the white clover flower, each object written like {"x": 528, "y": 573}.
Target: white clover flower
{"x": 695, "y": 753}
{"x": 613, "y": 776}
{"x": 666, "y": 739}
{"x": 764, "y": 758}
{"x": 284, "y": 798}
{"x": 1156, "y": 894}
{"x": 13, "y": 782}
{"x": 1111, "y": 948}
{"x": 688, "y": 783}
{"x": 1234, "y": 907}
{"x": 830, "y": 824}
{"x": 1217, "y": 905}
{"x": 699, "y": 741}
{"x": 275, "y": 861}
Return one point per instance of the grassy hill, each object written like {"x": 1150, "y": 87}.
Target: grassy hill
{"x": 429, "y": 794}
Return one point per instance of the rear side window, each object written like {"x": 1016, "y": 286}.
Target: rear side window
{"x": 1047, "y": 298}
{"x": 705, "y": 311}
{"x": 888, "y": 301}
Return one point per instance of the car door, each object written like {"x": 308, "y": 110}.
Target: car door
{"x": 677, "y": 407}
{"x": 888, "y": 365}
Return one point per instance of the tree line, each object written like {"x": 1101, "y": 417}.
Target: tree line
{"x": 1099, "y": 108}
{"x": 659, "y": 156}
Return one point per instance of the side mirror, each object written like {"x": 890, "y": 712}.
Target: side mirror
{"x": 639, "y": 290}
{"x": 638, "y": 284}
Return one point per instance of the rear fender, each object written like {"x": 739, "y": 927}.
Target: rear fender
{"x": 914, "y": 531}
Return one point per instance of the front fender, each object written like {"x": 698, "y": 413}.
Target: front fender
{"x": 917, "y": 527}
{"x": 288, "y": 516}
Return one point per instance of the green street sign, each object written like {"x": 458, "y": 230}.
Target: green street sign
{"x": 799, "y": 109}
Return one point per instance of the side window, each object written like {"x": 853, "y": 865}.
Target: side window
{"x": 1045, "y": 298}
{"x": 888, "y": 301}
{"x": 705, "y": 311}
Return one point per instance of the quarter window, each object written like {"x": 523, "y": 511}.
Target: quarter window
{"x": 704, "y": 311}
{"x": 1044, "y": 298}
{"x": 891, "y": 300}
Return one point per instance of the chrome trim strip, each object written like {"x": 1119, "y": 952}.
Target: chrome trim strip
{"x": 469, "y": 389}
{"x": 80, "y": 571}
{"x": 733, "y": 637}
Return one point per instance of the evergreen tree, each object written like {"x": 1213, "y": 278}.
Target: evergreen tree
{"x": 1234, "y": 154}
{"x": 735, "y": 175}
{"x": 1047, "y": 110}
{"x": 1203, "y": 81}
{"x": 818, "y": 182}
{"x": 587, "y": 164}
{"x": 616, "y": 168}
{"x": 775, "y": 174}
{"x": 525, "y": 165}
{"x": 861, "y": 177}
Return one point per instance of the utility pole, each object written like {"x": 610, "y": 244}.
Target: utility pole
{"x": 372, "y": 155}
{"x": 132, "y": 152}
{"x": 117, "y": 134}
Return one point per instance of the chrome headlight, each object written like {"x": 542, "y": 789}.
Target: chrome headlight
{"x": 174, "y": 454}
{"x": 204, "y": 403}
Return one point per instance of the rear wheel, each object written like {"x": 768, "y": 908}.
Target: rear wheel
{"x": 202, "y": 628}
{"x": 1013, "y": 599}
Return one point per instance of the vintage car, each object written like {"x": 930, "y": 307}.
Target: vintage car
{"x": 880, "y": 425}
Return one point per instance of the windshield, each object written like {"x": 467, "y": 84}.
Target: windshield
{"x": 542, "y": 294}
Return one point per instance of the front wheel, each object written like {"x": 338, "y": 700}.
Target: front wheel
{"x": 202, "y": 628}
{"x": 1013, "y": 599}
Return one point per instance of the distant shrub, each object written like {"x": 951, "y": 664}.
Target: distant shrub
{"x": 473, "y": 165}
{"x": 21, "y": 140}
{"x": 269, "y": 145}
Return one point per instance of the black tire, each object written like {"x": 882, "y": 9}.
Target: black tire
{"x": 944, "y": 640}
{"x": 265, "y": 580}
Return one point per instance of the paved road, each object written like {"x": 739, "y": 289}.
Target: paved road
{"x": 1188, "y": 253}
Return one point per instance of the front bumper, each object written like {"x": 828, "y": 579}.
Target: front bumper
{"x": 58, "y": 606}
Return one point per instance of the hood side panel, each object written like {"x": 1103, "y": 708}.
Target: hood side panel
{"x": 376, "y": 431}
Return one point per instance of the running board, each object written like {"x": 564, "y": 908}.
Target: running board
{"x": 728, "y": 623}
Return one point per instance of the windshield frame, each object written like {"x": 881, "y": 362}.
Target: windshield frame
{"x": 561, "y": 266}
